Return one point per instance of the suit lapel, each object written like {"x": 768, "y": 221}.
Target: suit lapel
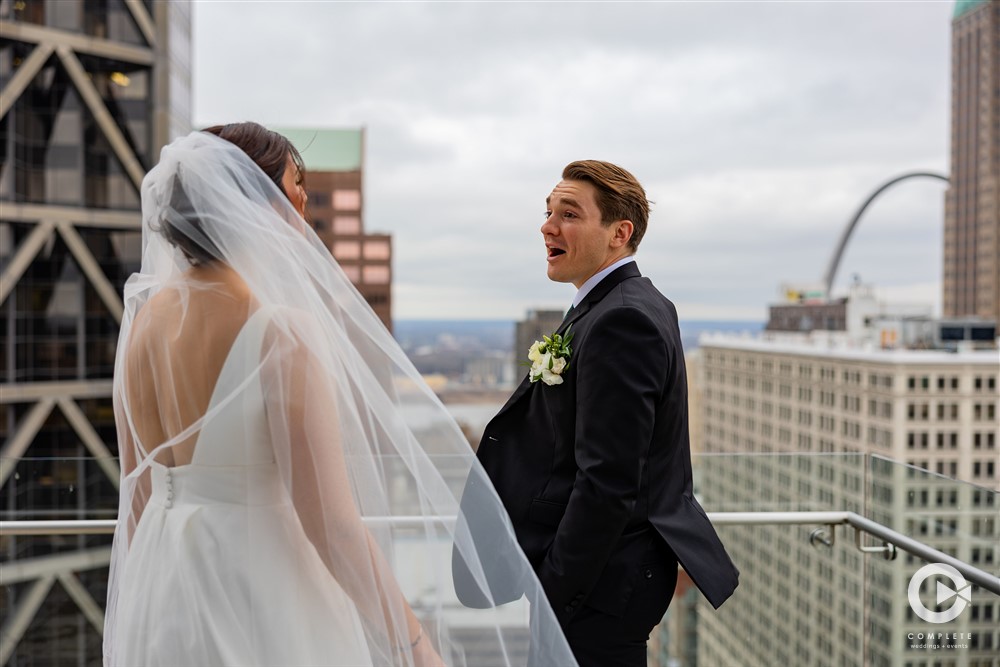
{"x": 600, "y": 291}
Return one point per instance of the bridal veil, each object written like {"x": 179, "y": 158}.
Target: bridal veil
{"x": 371, "y": 460}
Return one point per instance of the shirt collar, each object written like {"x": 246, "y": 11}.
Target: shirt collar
{"x": 592, "y": 282}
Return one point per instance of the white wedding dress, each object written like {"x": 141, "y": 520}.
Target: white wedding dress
{"x": 192, "y": 593}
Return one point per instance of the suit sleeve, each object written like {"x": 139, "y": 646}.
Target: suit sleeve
{"x": 620, "y": 373}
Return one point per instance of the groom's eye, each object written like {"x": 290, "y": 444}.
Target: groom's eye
{"x": 547, "y": 214}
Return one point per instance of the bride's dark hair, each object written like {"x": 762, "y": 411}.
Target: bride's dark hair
{"x": 268, "y": 149}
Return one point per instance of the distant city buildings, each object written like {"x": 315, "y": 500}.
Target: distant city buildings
{"x": 972, "y": 205}
{"x": 538, "y": 323}
{"x": 490, "y": 370}
{"x": 863, "y": 319}
{"x": 334, "y": 182}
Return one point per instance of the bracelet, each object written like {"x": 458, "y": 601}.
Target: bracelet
{"x": 413, "y": 644}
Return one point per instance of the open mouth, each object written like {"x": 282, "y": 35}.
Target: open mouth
{"x": 555, "y": 252}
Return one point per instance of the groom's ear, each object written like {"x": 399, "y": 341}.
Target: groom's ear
{"x": 623, "y": 233}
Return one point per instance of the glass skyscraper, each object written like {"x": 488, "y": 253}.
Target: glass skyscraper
{"x": 90, "y": 92}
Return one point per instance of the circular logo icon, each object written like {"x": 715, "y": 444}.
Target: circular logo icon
{"x": 944, "y": 593}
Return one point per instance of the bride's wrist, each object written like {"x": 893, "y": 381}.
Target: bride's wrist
{"x": 413, "y": 644}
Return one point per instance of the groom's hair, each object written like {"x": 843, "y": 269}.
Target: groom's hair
{"x": 619, "y": 195}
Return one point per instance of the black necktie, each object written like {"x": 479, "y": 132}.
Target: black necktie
{"x": 569, "y": 312}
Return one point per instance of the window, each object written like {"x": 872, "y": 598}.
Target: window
{"x": 346, "y": 224}
{"x": 376, "y": 250}
{"x": 318, "y": 198}
{"x": 376, "y": 275}
{"x": 346, "y": 250}
{"x": 347, "y": 200}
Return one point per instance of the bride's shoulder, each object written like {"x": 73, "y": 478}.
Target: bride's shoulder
{"x": 289, "y": 321}
{"x": 162, "y": 309}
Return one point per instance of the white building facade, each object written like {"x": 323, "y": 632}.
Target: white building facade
{"x": 814, "y": 422}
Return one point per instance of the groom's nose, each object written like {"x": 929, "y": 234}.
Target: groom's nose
{"x": 548, "y": 227}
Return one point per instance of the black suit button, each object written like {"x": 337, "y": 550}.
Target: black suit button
{"x": 569, "y": 609}
{"x": 578, "y": 597}
{"x": 648, "y": 574}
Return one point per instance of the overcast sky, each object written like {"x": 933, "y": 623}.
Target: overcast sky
{"x": 757, "y": 129}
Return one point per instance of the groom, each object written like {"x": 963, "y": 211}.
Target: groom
{"x": 592, "y": 461}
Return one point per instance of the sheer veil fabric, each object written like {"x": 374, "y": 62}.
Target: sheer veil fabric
{"x": 271, "y": 433}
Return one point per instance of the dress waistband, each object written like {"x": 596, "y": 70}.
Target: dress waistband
{"x": 199, "y": 484}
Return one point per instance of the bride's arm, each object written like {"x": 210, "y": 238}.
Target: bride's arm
{"x": 137, "y": 487}
{"x": 302, "y": 409}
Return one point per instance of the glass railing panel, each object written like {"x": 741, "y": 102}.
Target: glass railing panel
{"x": 49, "y": 488}
{"x": 958, "y": 518}
{"x": 51, "y": 585}
{"x": 799, "y": 602}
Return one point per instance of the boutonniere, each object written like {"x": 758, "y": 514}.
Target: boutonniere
{"x": 549, "y": 358}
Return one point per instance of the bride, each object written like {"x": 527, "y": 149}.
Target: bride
{"x": 289, "y": 483}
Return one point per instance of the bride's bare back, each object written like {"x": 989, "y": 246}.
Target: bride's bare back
{"x": 178, "y": 346}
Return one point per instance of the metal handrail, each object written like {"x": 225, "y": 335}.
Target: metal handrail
{"x": 830, "y": 519}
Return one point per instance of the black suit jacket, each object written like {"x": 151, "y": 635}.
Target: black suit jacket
{"x": 593, "y": 470}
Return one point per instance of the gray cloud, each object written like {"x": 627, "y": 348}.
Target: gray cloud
{"x": 757, "y": 129}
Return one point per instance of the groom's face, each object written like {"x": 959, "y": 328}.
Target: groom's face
{"x": 578, "y": 245}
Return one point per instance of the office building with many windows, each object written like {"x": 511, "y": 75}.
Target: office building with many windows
{"x": 89, "y": 92}
{"x": 334, "y": 181}
{"x": 972, "y": 204}
{"x": 822, "y": 423}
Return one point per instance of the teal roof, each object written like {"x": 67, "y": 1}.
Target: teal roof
{"x": 965, "y": 6}
{"x": 327, "y": 150}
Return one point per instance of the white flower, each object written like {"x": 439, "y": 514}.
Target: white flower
{"x": 550, "y": 378}
{"x": 548, "y": 366}
{"x": 557, "y": 367}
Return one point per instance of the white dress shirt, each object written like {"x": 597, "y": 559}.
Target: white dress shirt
{"x": 598, "y": 277}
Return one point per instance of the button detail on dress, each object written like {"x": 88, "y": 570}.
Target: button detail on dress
{"x": 169, "y": 500}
